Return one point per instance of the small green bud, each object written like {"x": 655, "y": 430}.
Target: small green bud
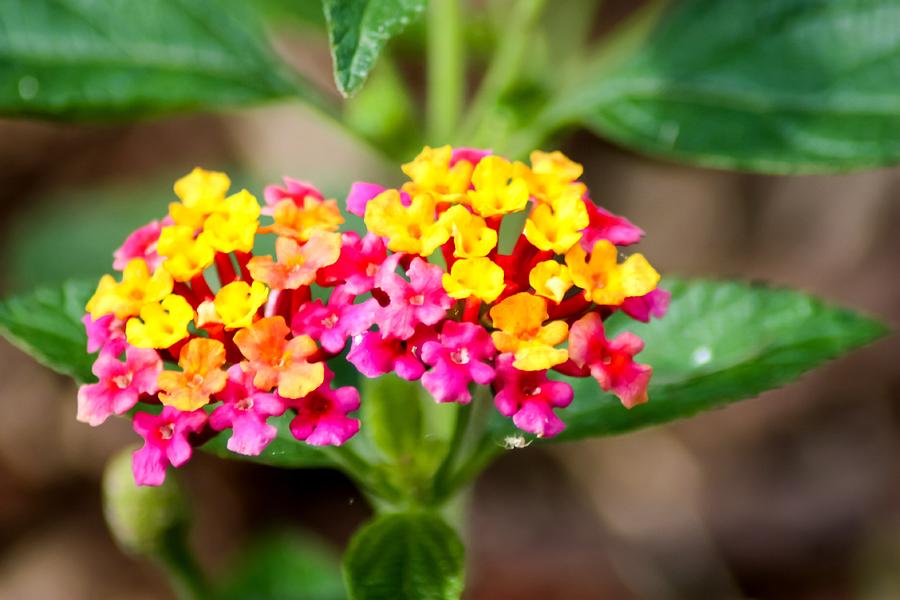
{"x": 142, "y": 519}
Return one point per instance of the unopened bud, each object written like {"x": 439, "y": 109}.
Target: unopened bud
{"x": 141, "y": 518}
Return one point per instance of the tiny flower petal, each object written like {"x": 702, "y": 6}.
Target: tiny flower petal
{"x": 654, "y": 304}
{"x": 479, "y": 277}
{"x": 237, "y": 303}
{"x": 161, "y": 324}
{"x": 497, "y": 191}
{"x": 293, "y": 190}
{"x": 201, "y": 361}
{"x": 558, "y": 225}
{"x": 359, "y": 196}
{"x": 606, "y": 282}
{"x": 604, "y": 225}
{"x": 413, "y": 229}
{"x": 431, "y": 172}
{"x": 550, "y": 279}
{"x": 471, "y": 235}
{"x": 140, "y": 244}
{"x": 102, "y": 331}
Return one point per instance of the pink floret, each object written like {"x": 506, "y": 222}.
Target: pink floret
{"x": 421, "y": 300}
{"x": 140, "y": 244}
{"x": 611, "y": 363}
{"x": 359, "y": 196}
{"x": 472, "y": 155}
{"x": 293, "y": 190}
{"x": 245, "y": 410}
{"x": 120, "y": 383}
{"x": 165, "y": 442}
{"x": 331, "y": 324}
{"x": 530, "y": 398}
{"x": 604, "y": 225}
{"x": 357, "y": 265}
{"x": 655, "y": 304}
{"x": 459, "y": 358}
{"x": 322, "y": 415}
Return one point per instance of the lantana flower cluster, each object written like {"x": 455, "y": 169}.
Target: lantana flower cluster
{"x": 217, "y": 338}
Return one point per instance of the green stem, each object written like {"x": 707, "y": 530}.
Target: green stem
{"x": 463, "y": 416}
{"x": 504, "y": 68}
{"x": 366, "y": 475}
{"x": 177, "y": 560}
{"x": 446, "y": 72}
{"x": 480, "y": 457}
{"x": 567, "y": 106}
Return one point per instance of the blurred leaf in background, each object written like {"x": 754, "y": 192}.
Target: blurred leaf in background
{"x": 73, "y": 234}
{"x": 779, "y": 87}
{"x": 82, "y": 59}
{"x": 283, "y": 565}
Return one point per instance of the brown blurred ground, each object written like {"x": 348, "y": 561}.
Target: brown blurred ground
{"x": 793, "y": 495}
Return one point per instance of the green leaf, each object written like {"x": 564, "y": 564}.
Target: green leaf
{"x": 282, "y": 566}
{"x": 88, "y": 59}
{"x": 359, "y": 29}
{"x": 720, "y": 342}
{"x": 46, "y": 324}
{"x": 794, "y": 86}
{"x": 405, "y": 556}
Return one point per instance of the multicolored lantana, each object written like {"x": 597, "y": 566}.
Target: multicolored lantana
{"x": 439, "y": 289}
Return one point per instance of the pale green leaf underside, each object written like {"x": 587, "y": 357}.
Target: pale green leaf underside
{"x": 358, "y": 31}
{"x": 89, "y": 59}
{"x": 779, "y": 86}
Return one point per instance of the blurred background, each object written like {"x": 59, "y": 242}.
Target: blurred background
{"x": 795, "y": 494}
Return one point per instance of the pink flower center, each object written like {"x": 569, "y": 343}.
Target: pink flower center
{"x": 460, "y": 356}
{"x": 330, "y": 321}
{"x": 371, "y": 270}
{"x": 531, "y": 391}
{"x": 123, "y": 381}
{"x": 244, "y": 403}
{"x": 417, "y": 300}
{"x": 317, "y": 405}
{"x": 167, "y": 431}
